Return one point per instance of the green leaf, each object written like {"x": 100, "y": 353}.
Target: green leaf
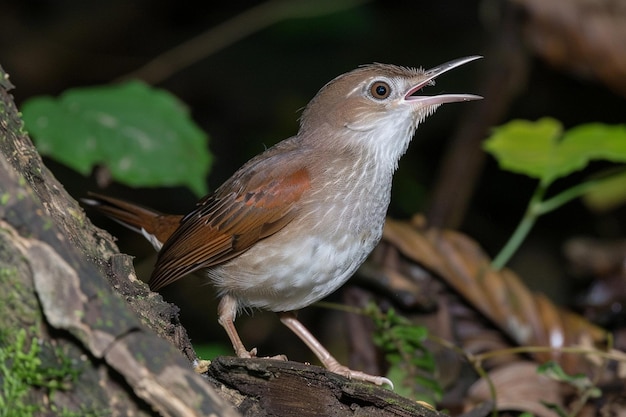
{"x": 607, "y": 193}
{"x": 554, "y": 371}
{"x": 525, "y": 147}
{"x": 144, "y": 136}
{"x": 412, "y": 365}
{"x": 417, "y": 388}
{"x": 541, "y": 150}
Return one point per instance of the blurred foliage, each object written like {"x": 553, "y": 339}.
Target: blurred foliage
{"x": 142, "y": 135}
{"x": 411, "y": 364}
{"x": 543, "y": 150}
{"x": 584, "y": 387}
{"x": 210, "y": 351}
{"x": 608, "y": 193}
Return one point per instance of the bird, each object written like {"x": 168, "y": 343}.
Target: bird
{"x": 295, "y": 222}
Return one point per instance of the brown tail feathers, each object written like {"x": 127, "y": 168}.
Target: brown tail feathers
{"x": 157, "y": 227}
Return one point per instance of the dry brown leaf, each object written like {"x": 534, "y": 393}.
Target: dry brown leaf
{"x": 500, "y": 296}
{"x": 598, "y": 257}
{"x": 586, "y": 37}
{"x": 519, "y": 388}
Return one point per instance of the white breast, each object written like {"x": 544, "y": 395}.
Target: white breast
{"x": 342, "y": 225}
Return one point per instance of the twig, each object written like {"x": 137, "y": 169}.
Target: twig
{"x": 233, "y": 30}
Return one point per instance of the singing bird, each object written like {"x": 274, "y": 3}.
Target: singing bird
{"x": 296, "y": 221}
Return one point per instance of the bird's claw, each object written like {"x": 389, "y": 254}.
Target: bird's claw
{"x": 278, "y": 358}
{"x": 252, "y": 353}
{"x": 362, "y": 376}
{"x": 243, "y": 353}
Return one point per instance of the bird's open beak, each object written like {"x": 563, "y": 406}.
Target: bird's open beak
{"x": 428, "y": 79}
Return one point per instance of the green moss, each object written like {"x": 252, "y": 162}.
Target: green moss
{"x": 7, "y": 273}
{"x": 48, "y": 225}
{"x": 19, "y": 308}
{"x": 16, "y": 367}
{"x": 32, "y": 371}
{"x": 23, "y": 373}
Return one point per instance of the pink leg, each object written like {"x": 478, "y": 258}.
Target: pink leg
{"x": 227, "y": 311}
{"x": 289, "y": 319}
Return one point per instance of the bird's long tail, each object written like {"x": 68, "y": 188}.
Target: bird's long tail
{"x": 155, "y": 226}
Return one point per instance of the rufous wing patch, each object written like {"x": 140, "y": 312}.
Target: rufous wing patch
{"x": 228, "y": 224}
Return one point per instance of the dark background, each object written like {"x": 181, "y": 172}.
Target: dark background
{"x": 247, "y": 96}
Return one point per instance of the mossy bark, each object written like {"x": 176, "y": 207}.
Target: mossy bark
{"x": 54, "y": 267}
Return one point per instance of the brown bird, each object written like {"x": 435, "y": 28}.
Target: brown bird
{"x": 295, "y": 222}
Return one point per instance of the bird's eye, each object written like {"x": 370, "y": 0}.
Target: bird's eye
{"x": 380, "y": 90}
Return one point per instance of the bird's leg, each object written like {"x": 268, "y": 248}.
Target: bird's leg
{"x": 289, "y": 319}
{"x": 227, "y": 311}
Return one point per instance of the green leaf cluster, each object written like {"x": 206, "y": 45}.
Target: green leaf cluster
{"x": 584, "y": 387}
{"x": 545, "y": 151}
{"x": 412, "y": 365}
{"x": 144, "y": 136}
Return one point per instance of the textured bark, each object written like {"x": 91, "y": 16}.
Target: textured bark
{"x": 262, "y": 387}
{"x": 66, "y": 282}
{"x": 54, "y": 264}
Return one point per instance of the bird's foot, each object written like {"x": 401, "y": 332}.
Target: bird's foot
{"x": 360, "y": 376}
{"x": 242, "y": 352}
{"x": 278, "y": 358}
{"x": 289, "y": 319}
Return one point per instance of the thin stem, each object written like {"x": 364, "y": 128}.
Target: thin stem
{"x": 476, "y": 363}
{"x": 536, "y": 208}
{"x": 579, "y": 350}
{"x": 219, "y": 37}
{"x": 522, "y": 230}
{"x": 565, "y": 197}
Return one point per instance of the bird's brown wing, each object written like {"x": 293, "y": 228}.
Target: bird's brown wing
{"x": 252, "y": 205}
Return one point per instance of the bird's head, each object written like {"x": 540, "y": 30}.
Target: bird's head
{"x": 376, "y": 105}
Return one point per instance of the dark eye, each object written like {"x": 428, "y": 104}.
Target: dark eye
{"x": 380, "y": 90}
